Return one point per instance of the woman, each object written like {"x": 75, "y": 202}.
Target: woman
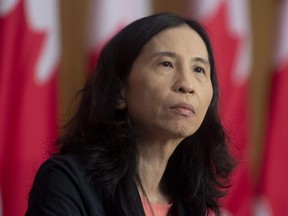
{"x": 146, "y": 138}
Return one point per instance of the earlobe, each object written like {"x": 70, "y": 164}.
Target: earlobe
{"x": 121, "y": 102}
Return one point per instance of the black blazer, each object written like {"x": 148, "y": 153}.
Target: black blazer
{"x": 61, "y": 188}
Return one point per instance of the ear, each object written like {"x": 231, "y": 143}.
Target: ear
{"x": 121, "y": 102}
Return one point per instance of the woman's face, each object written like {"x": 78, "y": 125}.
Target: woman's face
{"x": 169, "y": 88}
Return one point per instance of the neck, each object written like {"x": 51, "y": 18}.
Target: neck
{"x": 153, "y": 159}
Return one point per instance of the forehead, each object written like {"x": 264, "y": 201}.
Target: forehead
{"x": 181, "y": 40}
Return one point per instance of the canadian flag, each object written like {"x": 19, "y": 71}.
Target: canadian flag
{"x": 107, "y": 17}
{"x": 228, "y": 25}
{"x": 29, "y": 56}
{"x": 272, "y": 200}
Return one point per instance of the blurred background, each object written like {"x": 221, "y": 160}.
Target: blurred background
{"x": 47, "y": 49}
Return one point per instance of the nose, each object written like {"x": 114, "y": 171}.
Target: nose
{"x": 185, "y": 85}
{"x": 185, "y": 89}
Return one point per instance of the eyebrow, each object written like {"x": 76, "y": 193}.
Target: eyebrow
{"x": 202, "y": 60}
{"x": 174, "y": 55}
{"x": 164, "y": 53}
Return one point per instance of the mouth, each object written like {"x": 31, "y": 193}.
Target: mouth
{"x": 183, "y": 109}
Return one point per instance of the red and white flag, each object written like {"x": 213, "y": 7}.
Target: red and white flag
{"x": 29, "y": 57}
{"x": 107, "y": 17}
{"x": 228, "y": 25}
{"x": 273, "y": 192}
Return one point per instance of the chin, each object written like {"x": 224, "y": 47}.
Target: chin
{"x": 184, "y": 134}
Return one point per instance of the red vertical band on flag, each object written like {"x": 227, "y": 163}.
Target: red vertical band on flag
{"x": 27, "y": 98}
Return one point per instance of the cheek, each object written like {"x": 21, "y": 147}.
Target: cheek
{"x": 206, "y": 99}
{"x": 139, "y": 98}
{"x": 145, "y": 102}
{"x": 209, "y": 97}
{"x": 145, "y": 89}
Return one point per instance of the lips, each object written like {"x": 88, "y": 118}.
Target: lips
{"x": 183, "y": 109}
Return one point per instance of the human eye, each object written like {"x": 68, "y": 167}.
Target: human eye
{"x": 166, "y": 64}
{"x": 199, "y": 70}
